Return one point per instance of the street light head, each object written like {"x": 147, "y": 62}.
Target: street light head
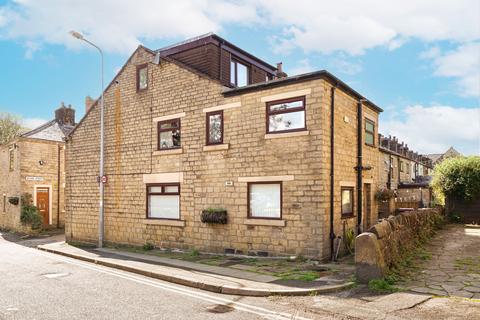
{"x": 76, "y": 34}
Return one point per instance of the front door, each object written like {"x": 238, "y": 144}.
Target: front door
{"x": 368, "y": 205}
{"x": 43, "y": 204}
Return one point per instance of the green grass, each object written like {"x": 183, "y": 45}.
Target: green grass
{"x": 298, "y": 275}
{"x": 385, "y": 285}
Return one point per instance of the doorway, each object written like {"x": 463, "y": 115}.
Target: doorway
{"x": 368, "y": 205}
{"x": 43, "y": 204}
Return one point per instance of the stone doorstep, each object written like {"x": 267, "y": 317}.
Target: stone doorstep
{"x": 218, "y": 284}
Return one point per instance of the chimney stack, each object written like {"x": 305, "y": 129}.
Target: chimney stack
{"x": 65, "y": 115}
{"x": 280, "y": 73}
{"x": 88, "y": 103}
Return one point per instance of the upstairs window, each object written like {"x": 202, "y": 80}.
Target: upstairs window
{"x": 11, "y": 159}
{"x": 401, "y": 166}
{"x": 369, "y": 132}
{"x": 347, "y": 201}
{"x": 169, "y": 134}
{"x": 286, "y": 115}
{"x": 215, "y": 127}
{"x": 163, "y": 201}
{"x": 239, "y": 73}
{"x": 142, "y": 77}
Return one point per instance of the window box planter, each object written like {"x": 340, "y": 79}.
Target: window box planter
{"x": 13, "y": 200}
{"x": 214, "y": 216}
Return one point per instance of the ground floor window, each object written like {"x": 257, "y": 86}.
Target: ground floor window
{"x": 347, "y": 201}
{"x": 163, "y": 201}
{"x": 265, "y": 200}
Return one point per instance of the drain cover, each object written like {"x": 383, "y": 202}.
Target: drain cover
{"x": 219, "y": 308}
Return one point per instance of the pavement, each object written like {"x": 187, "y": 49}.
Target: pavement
{"x": 36, "y": 284}
{"x": 210, "y": 278}
{"x": 453, "y": 268}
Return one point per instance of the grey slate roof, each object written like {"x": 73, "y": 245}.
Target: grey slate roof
{"x": 51, "y": 130}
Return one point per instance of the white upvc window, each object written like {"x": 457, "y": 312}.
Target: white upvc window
{"x": 265, "y": 200}
{"x": 163, "y": 201}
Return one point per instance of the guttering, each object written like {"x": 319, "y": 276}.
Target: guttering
{"x": 332, "y": 169}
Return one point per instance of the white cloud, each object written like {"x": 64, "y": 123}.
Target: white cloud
{"x": 32, "y": 123}
{"x": 355, "y": 26}
{"x": 434, "y": 129}
{"x": 343, "y": 65}
{"x": 30, "y": 48}
{"x": 116, "y": 25}
{"x": 303, "y": 66}
{"x": 462, "y": 64}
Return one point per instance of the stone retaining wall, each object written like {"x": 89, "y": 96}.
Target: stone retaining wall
{"x": 387, "y": 242}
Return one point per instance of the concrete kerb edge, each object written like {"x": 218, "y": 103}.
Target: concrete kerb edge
{"x": 224, "y": 289}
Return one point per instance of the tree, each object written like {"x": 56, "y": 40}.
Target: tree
{"x": 9, "y": 127}
{"x": 457, "y": 177}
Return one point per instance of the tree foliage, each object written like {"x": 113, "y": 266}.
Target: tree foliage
{"x": 458, "y": 177}
{"x": 9, "y": 127}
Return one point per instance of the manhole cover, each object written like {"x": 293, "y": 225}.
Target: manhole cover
{"x": 55, "y": 275}
{"x": 219, "y": 308}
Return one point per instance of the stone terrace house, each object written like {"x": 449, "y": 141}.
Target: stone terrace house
{"x": 404, "y": 171}
{"x": 34, "y": 163}
{"x": 204, "y": 124}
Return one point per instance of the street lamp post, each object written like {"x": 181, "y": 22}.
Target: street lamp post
{"x": 101, "y": 216}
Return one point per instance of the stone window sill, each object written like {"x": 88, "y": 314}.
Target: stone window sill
{"x": 162, "y": 222}
{"x": 168, "y": 151}
{"x": 216, "y": 147}
{"x": 265, "y": 222}
{"x": 286, "y": 134}
{"x": 348, "y": 216}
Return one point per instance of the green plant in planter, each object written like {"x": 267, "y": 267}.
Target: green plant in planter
{"x": 214, "y": 215}
{"x": 29, "y": 213}
{"x": 13, "y": 200}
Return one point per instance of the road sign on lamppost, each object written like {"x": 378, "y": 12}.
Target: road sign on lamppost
{"x": 101, "y": 216}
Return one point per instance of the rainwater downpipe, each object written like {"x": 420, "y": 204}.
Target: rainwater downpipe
{"x": 359, "y": 165}
{"x": 332, "y": 169}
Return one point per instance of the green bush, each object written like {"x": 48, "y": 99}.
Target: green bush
{"x": 29, "y": 213}
{"x": 457, "y": 177}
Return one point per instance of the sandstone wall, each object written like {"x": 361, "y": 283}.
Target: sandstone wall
{"x": 387, "y": 242}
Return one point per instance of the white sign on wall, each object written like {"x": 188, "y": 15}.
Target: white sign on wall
{"x": 34, "y": 178}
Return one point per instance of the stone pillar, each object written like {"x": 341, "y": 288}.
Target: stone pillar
{"x": 369, "y": 262}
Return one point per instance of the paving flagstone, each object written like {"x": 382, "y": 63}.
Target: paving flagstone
{"x": 454, "y": 269}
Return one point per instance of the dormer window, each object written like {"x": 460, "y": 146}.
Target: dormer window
{"x": 239, "y": 73}
{"x": 142, "y": 77}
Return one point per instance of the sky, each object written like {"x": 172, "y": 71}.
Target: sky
{"x": 417, "y": 59}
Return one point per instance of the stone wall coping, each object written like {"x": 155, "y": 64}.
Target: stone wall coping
{"x": 167, "y": 152}
{"x": 287, "y": 134}
{"x": 266, "y": 178}
{"x": 166, "y": 177}
{"x": 223, "y": 107}
{"x": 265, "y": 222}
{"x": 169, "y": 117}
{"x": 216, "y": 147}
{"x": 162, "y": 222}
{"x": 286, "y": 95}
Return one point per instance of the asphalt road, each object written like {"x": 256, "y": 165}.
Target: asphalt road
{"x": 41, "y": 285}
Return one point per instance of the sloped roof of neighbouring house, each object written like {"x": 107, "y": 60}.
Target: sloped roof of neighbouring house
{"x": 439, "y": 157}
{"x": 56, "y": 129}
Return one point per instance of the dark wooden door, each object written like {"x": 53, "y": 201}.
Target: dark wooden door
{"x": 368, "y": 205}
{"x": 43, "y": 203}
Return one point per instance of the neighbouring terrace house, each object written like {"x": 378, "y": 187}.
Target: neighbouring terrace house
{"x": 34, "y": 163}
{"x": 405, "y": 172}
{"x": 204, "y": 124}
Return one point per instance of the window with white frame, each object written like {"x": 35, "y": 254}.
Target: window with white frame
{"x": 265, "y": 200}
{"x": 163, "y": 201}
